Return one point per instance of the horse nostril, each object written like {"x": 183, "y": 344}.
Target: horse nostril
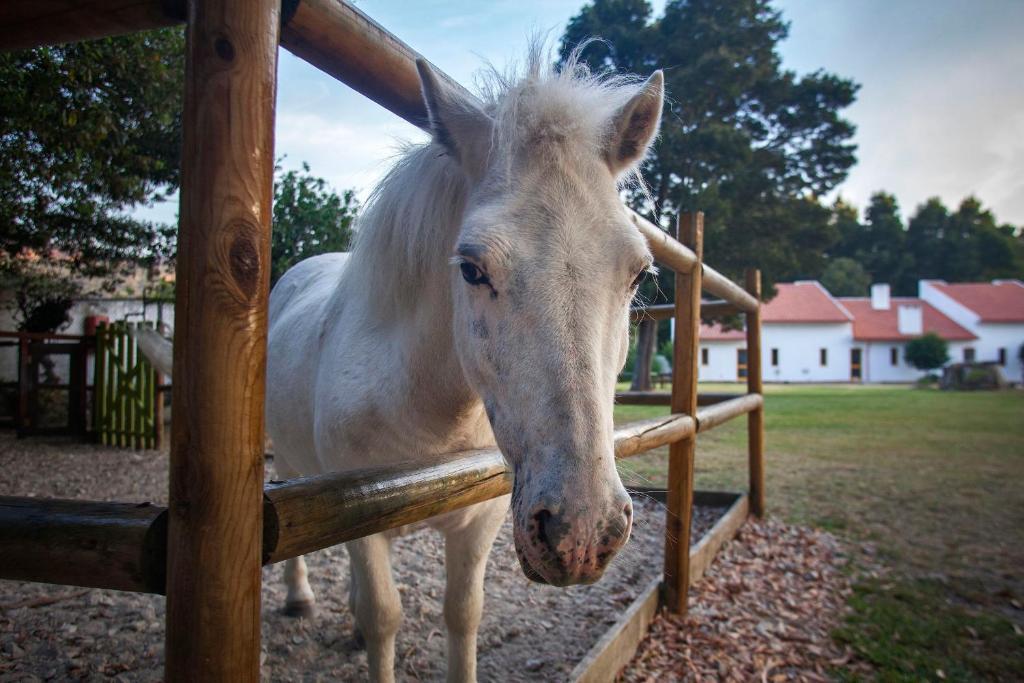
{"x": 543, "y": 521}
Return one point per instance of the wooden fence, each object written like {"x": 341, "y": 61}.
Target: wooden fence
{"x": 207, "y": 548}
{"x": 126, "y": 399}
{"x": 54, "y": 406}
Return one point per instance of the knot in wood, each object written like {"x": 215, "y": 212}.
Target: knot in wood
{"x": 244, "y": 260}
{"x": 224, "y": 49}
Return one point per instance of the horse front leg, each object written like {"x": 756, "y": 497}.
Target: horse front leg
{"x": 301, "y": 602}
{"x": 466, "y": 550}
{"x": 377, "y": 605}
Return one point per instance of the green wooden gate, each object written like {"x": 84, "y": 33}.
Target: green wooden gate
{"x": 127, "y": 397}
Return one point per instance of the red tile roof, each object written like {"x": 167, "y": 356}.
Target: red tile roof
{"x": 874, "y": 325}
{"x": 803, "y": 302}
{"x": 1001, "y": 301}
{"x": 716, "y": 332}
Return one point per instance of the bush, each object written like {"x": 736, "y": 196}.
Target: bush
{"x": 927, "y": 352}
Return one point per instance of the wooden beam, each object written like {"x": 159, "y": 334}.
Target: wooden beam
{"x": 704, "y": 551}
{"x": 83, "y": 543}
{"x": 223, "y": 281}
{"x": 619, "y": 643}
{"x": 299, "y": 516}
{"x": 303, "y": 515}
{"x": 723, "y": 287}
{"x": 31, "y": 23}
{"x": 664, "y": 398}
{"x": 755, "y": 419}
{"x": 708, "y": 309}
{"x": 684, "y": 400}
{"x": 712, "y": 416}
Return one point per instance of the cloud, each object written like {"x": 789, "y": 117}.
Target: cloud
{"x": 348, "y": 154}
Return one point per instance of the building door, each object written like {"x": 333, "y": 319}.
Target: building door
{"x": 741, "y": 364}
{"x": 855, "y": 372}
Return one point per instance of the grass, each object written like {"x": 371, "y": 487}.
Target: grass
{"x": 923, "y": 481}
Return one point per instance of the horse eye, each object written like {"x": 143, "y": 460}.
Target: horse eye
{"x": 640, "y": 278}
{"x": 472, "y": 274}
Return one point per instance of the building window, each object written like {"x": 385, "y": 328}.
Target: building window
{"x": 704, "y": 356}
{"x": 824, "y": 357}
{"x": 1002, "y": 357}
{"x": 775, "y": 358}
{"x": 969, "y": 354}
{"x": 894, "y": 355}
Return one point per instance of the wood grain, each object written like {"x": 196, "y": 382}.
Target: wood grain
{"x": 100, "y": 545}
{"x": 684, "y": 401}
{"x": 216, "y": 479}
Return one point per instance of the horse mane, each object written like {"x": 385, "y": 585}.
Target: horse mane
{"x": 405, "y": 235}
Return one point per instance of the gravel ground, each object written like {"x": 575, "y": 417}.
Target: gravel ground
{"x": 529, "y": 632}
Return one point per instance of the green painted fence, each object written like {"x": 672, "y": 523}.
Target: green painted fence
{"x": 127, "y": 408}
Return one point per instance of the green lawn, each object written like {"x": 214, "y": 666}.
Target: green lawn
{"x": 928, "y": 483}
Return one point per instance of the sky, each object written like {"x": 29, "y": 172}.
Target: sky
{"x": 940, "y": 111}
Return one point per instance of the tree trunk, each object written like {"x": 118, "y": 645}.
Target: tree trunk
{"x": 647, "y": 335}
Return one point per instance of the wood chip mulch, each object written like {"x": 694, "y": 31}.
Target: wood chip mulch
{"x": 763, "y": 612}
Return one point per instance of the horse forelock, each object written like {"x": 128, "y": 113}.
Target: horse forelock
{"x": 541, "y": 113}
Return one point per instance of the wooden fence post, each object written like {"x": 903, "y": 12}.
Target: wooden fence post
{"x": 690, "y": 229}
{"x": 216, "y": 490}
{"x": 755, "y": 418}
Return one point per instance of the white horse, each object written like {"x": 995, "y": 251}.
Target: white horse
{"x": 486, "y": 300}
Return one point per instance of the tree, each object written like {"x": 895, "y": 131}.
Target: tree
{"x": 879, "y": 243}
{"x": 743, "y": 140}
{"x": 750, "y": 144}
{"x": 845, "y": 277}
{"x": 87, "y": 132}
{"x": 927, "y": 352}
{"x": 41, "y": 298}
{"x": 309, "y": 219}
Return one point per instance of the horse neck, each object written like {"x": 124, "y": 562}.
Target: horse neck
{"x": 401, "y": 269}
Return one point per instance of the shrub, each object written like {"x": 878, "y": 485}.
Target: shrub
{"x": 927, "y": 352}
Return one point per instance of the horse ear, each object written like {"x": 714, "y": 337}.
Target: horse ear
{"x": 636, "y": 124}
{"x": 456, "y": 121}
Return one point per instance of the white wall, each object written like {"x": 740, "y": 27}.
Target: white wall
{"x": 878, "y": 365}
{"x": 991, "y": 336}
{"x": 799, "y": 346}
{"x": 721, "y": 365}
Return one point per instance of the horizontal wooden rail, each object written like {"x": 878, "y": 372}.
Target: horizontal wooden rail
{"x": 123, "y": 546}
{"x": 83, "y": 543}
{"x": 708, "y": 309}
{"x": 721, "y": 286}
{"x": 30, "y": 23}
{"x": 663, "y": 398}
{"x": 720, "y": 413}
{"x": 307, "y": 514}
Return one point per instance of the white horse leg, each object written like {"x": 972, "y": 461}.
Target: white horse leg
{"x": 466, "y": 550}
{"x": 301, "y": 602}
{"x": 378, "y": 608}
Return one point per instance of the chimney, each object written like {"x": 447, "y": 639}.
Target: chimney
{"x": 880, "y": 297}
{"x": 910, "y": 320}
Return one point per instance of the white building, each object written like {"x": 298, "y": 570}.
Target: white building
{"x": 806, "y": 336}
{"x": 882, "y": 326}
{"x": 992, "y": 311}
